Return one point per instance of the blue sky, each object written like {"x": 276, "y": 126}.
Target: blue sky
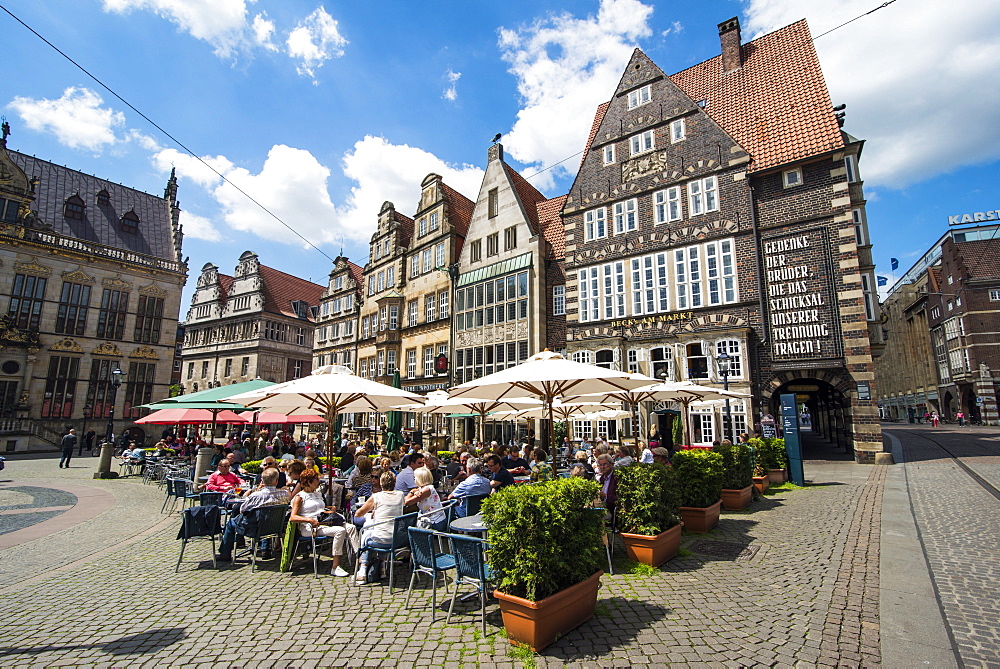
{"x": 323, "y": 110}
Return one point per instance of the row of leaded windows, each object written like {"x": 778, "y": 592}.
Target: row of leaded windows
{"x": 698, "y": 358}
{"x": 668, "y": 206}
{"x": 701, "y": 275}
{"x": 492, "y": 301}
{"x": 63, "y": 376}
{"x": 432, "y": 257}
{"x": 478, "y": 361}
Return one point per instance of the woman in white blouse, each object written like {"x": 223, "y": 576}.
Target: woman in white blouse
{"x": 307, "y": 507}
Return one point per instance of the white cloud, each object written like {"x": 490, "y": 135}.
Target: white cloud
{"x": 221, "y": 23}
{"x": 263, "y": 30}
{"x": 914, "y": 76}
{"x": 315, "y": 40}
{"x": 189, "y": 167}
{"x": 199, "y": 227}
{"x": 451, "y": 93}
{"x": 675, "y": 28}
{"x": 565, "y": 67}
{"x": 384, "y": 171}
{"x": 77, "y": 119}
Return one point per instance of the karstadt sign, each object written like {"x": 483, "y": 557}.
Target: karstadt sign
{"x": 974, "y": 217}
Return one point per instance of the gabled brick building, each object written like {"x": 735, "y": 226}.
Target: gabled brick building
{"x": 719, "y": 210}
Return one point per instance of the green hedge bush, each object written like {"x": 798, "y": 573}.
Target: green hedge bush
{"x": 737, "y": 465}
{"x": 771, "y": 453}
{"x": 445, "y": 456}
{"x": 544, "y": 537}
{"x": 699, "y": 477}
{"x": 647, "y": 498}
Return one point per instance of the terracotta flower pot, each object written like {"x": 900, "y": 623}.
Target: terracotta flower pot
{"x": 700, "y": 519}
{"x": 537, "y": 624}
{"x": 777, "y": 476}
{"x": 737, "y": 500}
{"x": 762, "y": 483}
{"x": 653, "y": 550}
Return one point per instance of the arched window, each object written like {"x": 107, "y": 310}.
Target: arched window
{"x": 732, "y": 348}
{"x": 606, "y": 358}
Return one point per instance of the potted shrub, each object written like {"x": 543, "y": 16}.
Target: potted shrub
{"x": 699, "y": 486}
{"x": 545, "y": 555}
{"x": 772, "y": 457}
{"x": 647, "y": 512}
{"x": 737, "y": 476}
{"x": 760, "y": 478}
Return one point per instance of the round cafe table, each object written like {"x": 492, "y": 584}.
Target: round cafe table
{"x": 469, "y": 525}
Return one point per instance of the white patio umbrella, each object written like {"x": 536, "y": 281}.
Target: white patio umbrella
{"x": 666, "y": 391}
{"x": 328, "y": 391}
{"x": 548, "y": 376}
{"x": 439, "y": 402}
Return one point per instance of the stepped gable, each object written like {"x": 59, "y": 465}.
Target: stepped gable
{"x": 776, "y": 104}
{"x": 459, "y": 210}
{"x": 281, "y": 289}
{"x": 528, "y": 195}
{"x": 552, "y": 226}
{"x": 101, "y": 222}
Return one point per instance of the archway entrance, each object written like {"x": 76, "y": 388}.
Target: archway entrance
{"x": 824, "y": 416}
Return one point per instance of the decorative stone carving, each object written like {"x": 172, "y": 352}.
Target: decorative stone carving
{"x": 107, "y": 348}
{"x": 145, "y": 353}
{"x": 78, "y": 276}
{"x": 32, "y": 268}
{"x": 117, "y": 283}
{"x": 67, "y": 345}
{"x": 152, "y": 290}
{"x": 644, "y": 165}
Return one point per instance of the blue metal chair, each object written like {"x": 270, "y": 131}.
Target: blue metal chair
{"x": 473, "y": 503}
{"x": 400, "y": 539}
{"x": 179, "y": 490}
{"x": 210, "y": 498}
{"x": 199, "y": 521}
{"x": 427, "y": 560}
{"x": 470, "y": 562}
{"x": 270, "y": 525}
{"x": 314, "y": 543}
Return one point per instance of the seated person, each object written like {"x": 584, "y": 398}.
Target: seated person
{"x": 426, "y": 497}
{"x": 223, "y": 479}
{"x": 293, "y": 471}
{"x": 514, "y": 463}
{"x": 245, "y": 522}
{"x": 579, "y": 470}
{"x": 609, "y": 482}
{"x": 307, "y": 507}
{"x": 383, "y": 506}
{"x": 310, "y": 463}
{"x": 457, "y": 468}
{"x": 434, "y": 465}
{"x": 623, "y": 456}
{"x": 581, "y": 459}
{"x": 475, "y": 484}
{"x": 361, "y": 475}
{"x": 501, "y": 477}
{"x": 542, "y": 471}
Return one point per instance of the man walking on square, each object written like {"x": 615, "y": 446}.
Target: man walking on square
{"x": 68, "y": 444}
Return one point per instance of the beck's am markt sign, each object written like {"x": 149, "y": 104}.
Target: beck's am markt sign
{"x": 799, "y": 296}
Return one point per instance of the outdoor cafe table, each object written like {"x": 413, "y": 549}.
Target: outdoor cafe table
{"x": 469, "y": 525}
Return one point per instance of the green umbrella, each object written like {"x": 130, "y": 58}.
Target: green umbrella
{"x": 394, "y": 423}
{"x": 212, "y": 399}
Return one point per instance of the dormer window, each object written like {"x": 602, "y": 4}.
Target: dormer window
{"x": 130, "y": 221}
{"x": 74, "y": 207}
{"x": 300, "y": 308}
{"x": 103, "y": 198}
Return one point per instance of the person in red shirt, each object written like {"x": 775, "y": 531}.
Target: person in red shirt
{"x": 223, "y": 480}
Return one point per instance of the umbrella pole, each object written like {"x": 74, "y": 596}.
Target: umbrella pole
{"x": 331, "y": 419}
{"x": 552, "y": 439}
{"x": 215, "y": 417}
{"x": 634, "y": 406}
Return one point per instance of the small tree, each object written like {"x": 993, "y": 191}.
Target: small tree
{"x": 737, "y": 465}
{"x": 647, "y": 498}
{"x": 699, "y": 477}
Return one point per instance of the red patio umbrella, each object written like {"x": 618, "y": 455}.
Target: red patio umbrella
{"x": 190, "y": 417}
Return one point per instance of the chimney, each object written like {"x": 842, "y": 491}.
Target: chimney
{"x": 732, "y": 53}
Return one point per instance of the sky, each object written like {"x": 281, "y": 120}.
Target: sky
{"x": 322, "y": 110}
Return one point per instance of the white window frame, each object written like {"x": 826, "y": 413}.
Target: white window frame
{"x": 613, "y": 289}
{"x": 870, "y": 297}
{"x": 626, "y": 216}
{"x": 422, "y": 227}
{"x": 608, "y": 152}
{"x": 703, "y": 196}
{"x": 430, "y": 307}
{"x": 792, "y": 178}
{"x": 860, "y": 227}
{"x": 642, "y": 143}
{"x": 439, "y": 255}
{"x": 428, "y": 361}
{"x": 411, "y": 363}
{"x": 432, "y": 223}
{"x": 595, "y": 223}
{"x": 851, "y": 167}
{"x": 415, "y": 265}
{"x": 703, "y": 424}
{"x": 720, "y": 272}
{"x": 589, "y": 284}
{"x": 667, "y": 205}
{"x": 413, "y": 313}
{"x": 640, "y": 96}
{"x": 559, "y": 300}
{"x": 994, "y": 294}
{"x": 734, "y": 350}
{"x": 443, "y": 304}
{"x": 677, "y": 131}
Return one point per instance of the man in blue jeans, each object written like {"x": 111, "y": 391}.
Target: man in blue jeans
{"x": 246, "y": 521}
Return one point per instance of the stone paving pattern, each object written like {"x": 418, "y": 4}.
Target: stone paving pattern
{"x": 805, "y": 596}
{"x": 959, "y": 526}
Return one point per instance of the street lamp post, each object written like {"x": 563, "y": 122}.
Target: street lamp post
{"x": 117, "y": 376}
{"x": 723, "y": 361}
{"x": 88, "y": 412}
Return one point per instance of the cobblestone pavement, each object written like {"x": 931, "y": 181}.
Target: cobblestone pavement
{"x": 959, "y": 526}
{"x": 806, "y": 593}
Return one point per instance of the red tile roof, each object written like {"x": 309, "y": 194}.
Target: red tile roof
{"x": 550, "y": 220}
{"x": 528, "y": 195}
{"x": 602, "y": 109}
{"x": 225, "y": 283}
{"x": 405, "y": 227}
{"x": 281, "y": 289}
{"x": 980, "y": 257}
{"x": 776, "y": 106}
{"x": 357, "y": 273}
{"x": 459, "y": 209}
